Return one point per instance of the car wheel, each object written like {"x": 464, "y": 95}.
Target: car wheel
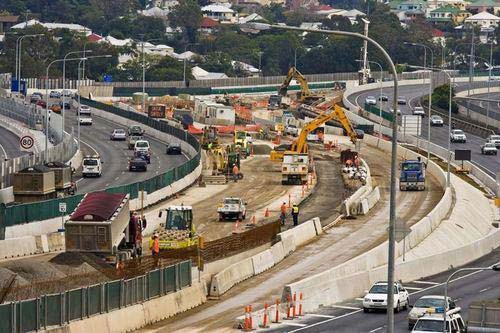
{"x": 366, "y": 310}
{"x": 406, "y": 304}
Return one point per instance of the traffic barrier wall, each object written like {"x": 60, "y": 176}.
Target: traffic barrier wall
{"x": 18, "y": 247}
{"x": 278, "y": 252}
{"x": 232, "y": 275}
{"x": 301, "y": 234}
{"x": 288, "y": 243}
{"x": 357, "y": 204}
{"x": 262, "y": 261}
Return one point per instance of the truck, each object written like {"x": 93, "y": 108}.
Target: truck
{"x": 294, "y": 168}
{"x": 232, "y": 208}
{"x": 412, "y": 175}
{"x": 102, "y": 224}
{"x": 178, "y": 231}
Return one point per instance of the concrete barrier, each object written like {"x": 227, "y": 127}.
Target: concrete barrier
{"x": 300, "y": 234}
{"x": 262, "y": 261}
{"x": 232, "y": 275}
{"x": 19, "y": 247}
{"x": 278, "y": 252}
{"x": 288, "y": 243}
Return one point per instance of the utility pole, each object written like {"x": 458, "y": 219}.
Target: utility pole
{"x": 366, "y": 70}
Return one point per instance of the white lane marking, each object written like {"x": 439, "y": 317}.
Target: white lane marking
{"x": 319, "y": 315}
{"x": 88, "y": 145}
{"x": 483, "y": 290}
{"x": 4, "y": 152}
{"x": 413, "y": 288}
{"x": 295, "y": 324}
{"x": 344, "y": 307}
{"x": 377, "y": 329}
{"x": 426, "y": 282}
{"x": 325, "y": 321}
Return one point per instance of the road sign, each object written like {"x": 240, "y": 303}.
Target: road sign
{"x": 62, "y": 207}
{"x": 26, "y": 142}
{"x": 107, "y": 78}
{"x": 412, "y": 125}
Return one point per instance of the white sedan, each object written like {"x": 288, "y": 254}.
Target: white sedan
{"x": 436, "y": 120}
{"x": 118, "y": 134}
{"x": 371, "y": 100}
{"x": 85, "y": 120}
{"x": 376, "y": 297}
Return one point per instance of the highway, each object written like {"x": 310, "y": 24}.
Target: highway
{"x": 9, "y": 145}
{"x": 494, "y": 107}
{"x": 439, "y": 135}
{"x": 348, "y": 316}
{"x": 115, "y": 155}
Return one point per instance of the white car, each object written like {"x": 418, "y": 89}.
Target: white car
{"x": 142, "y": 146}
{"x": 383, "y": 98}
{"x": 371, "y": 100}
{"x": 85, "y": 120}
{"x": 458, "y": 135}
{"x": 232, "y": 208}
{"x": 418, "y": 111}
{"x": 92, "y": 166}
{"x": 84, "y": 109}
{"x": 436, "y": 120}
{"x": 291, "y": 130}
{"x": 489, "y": 148}
{"x": 397, "y": 110}
{"x": 424, "y": 303}
{"x": 494, "y": 138}
{"x": 118, "y": 134}
{"x": 376, "y": 297}
{"x": 402, "y": 100}
{"x": 433, "y": 323}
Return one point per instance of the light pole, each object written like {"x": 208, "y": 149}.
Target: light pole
{"x": 489, "y": 82}
{"x": 494, "y": 268}
{"x": 449, "y": 118}
{"x": 63, "y": 110}
{"x": 430, "y": 98}
{"x": 260, "y": 62}
{"x": 255, "y": 27}
{"x": 184, "y": 72}
{"x": 78, "y": 89}
{"x": 19, "y": 42}
{"x": 144, "y": 71}
{"x": 379, "y": 99}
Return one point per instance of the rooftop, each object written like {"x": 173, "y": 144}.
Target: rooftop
{"x": 214, "y": 8}
{"x": 482, "y": 16}
{"x": 446, "y": 9}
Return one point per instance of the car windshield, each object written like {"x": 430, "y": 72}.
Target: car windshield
{"x": 458, "y": 132}
{"x": 430, "y": 326}
{"x": 495, "y": 137}
{"x": 436, "y": 117}
{"x": 370, "y": 97}
{"x": 241, "y": 135}
{"x": 411, "y": 166}
{"x": 84, "y": 107}
{"x": 90, "y": 162}
{"x": 119, "y": 131}
{"x": 142, "y": 144}
{"x": 490, "y": 145}
{"x": 419, "y": 108}
{"x": 380, "y": 289}
{"x": 179, "y": 219}
{"x": 231, "y": 201}
{"x": 429, "y": 303}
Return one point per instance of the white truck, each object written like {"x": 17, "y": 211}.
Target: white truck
{"x": 376, "y": 297}
{"x": 92, "y": 166}
{"x": 294, "y": 168}
{"x": 458, "y": 135}
{"x": 232, "y": 208}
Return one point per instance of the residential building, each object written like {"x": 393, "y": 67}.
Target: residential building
{"x": 254, "y": 17}
{"x": 6, "y": 22}
{"x": 212, "y": 113}
{"x": 220, "y": 13}
{"x": 201, "y": 74}
{"x": 53, "y": 26}
{"x": 296, "y": 4}
{"x": 352, "y": 14}
{"x": 208, "y": 25}
{"x": 485, "y": 20}
{"x": 479, "y": 6}
{"x": 447, "y": 14}
{"x": 163, "y": 4}
{"x": 246, "y": 69}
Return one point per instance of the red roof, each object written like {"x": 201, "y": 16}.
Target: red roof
{"x": 94, "y": 38}
{"x": 97, "y": 206}
{"x": 437, "y": 33}
{"x": 207, "y": 22}
{"x": 324, "y": 7}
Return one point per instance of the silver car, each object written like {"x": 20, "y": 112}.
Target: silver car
{"x": 436, "y": 120}
{"x": 118, "y": 134}
{"x": 424, "y": 303}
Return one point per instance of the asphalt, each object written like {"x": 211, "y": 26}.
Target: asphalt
{"x": 348, "y": 317}
{"x": 439, "y": 135}
{"x": 115, "y": 155}
{"x": 494, "y": 111}
{"x": 9, "y": 145}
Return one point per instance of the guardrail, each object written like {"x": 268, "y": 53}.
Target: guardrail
{"x": 44, "y": 210}
{"x": 77, "y": 304}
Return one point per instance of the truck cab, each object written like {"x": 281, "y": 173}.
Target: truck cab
{"x": 241, "y": 140}
{"x": 412, "y": 175}
{"x": 92, "y": 166}
{"x": 178, "y": 231}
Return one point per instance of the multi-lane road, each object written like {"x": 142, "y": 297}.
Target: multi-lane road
{"x": 9, "y": 145}
{"x": 439, "y": 135}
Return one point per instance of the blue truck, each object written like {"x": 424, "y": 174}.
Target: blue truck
{"x": 412, "y": 175}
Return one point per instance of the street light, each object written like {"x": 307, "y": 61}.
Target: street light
{"x": 144, "y": 70}
{"x": 19, "y": 42}
{"x": 83, "y": 59}
{"x": 379, "y": 99}
{"x": 430, "y": 97}
{"x": 449, "y": 118}
{"x": 64, "y": 85}
{"x": 489, "y": 83}
{"x": 255, "y": 28}
{"x": 495, "y": 268}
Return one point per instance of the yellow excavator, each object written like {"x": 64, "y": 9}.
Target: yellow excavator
{"x": 306, "y": 96}
{"x": 300, "y": 145}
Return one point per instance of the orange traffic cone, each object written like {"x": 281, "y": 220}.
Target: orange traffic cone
{"x": 236, "y": 226}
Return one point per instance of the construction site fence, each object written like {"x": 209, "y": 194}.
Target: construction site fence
{"x": 376, "y": 111}
{"x": 54, "y": 310}
{"x": 43, "y": 210}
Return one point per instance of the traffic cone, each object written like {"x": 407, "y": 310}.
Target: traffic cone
{"x": 266, "y": 213}
{"x": 265, "y": 319}
{"x": 300, "y": 304}
{"x": 288, "y": 308}
{"x": 250, "y": 316}
{"x": 277, "y": 314}
{"x": 236, "y": 226}
{"x": 293, "y": 305}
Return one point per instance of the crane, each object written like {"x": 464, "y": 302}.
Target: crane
{"x": 300, "y": 145}
{"x": 305, "y": 94}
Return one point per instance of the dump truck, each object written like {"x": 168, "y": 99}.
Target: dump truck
{"x": 412, "y": 175}
{"x": 34, "y": 184}
{"x": 62, "y": 177}
{"x": 294, "y": 168}
{"x": 102, "y": 224}
{"x": 178, "y": 230}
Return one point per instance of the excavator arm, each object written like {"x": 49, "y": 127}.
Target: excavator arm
{"x": 293, "y": 73}
{"x": 346, "y": 124}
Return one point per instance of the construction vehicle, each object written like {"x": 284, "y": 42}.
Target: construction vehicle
{"x": 232, "y": 208}
{"x": 294, "y": 168}
{"x": 412, "y": 175}
{"x": 306, "y": 96}
{"x": 102, "y": 224}
{"x": 209, "y": 137}
{"x": 178, "y": 230}
{"x": 300, "y": 145}
{"x": 241, "y": 141}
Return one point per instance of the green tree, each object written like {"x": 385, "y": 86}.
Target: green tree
{"x": 441, "y": 98}
{"x": 187, "y": 15}
{"x": 218, "y": 62}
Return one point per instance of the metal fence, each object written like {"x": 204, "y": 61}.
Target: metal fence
{"x": 48, "y": 209}
{"x": 76, "y": 304}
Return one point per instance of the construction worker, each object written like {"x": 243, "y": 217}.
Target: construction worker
{"x": 295, "y": 215}
{"x": 155, "y": 246}
{"x": 209, "y": 146}
{"x": 283, "y": 213}
{"x": 236, "y": 171}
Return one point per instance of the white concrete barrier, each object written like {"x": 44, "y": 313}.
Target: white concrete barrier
{"x": 288, "y": 243}
{"x": 300, "y": 234}
{"x": 19, "y": 247}
{"x": 278, "y": 252}
{"x": 262, "y": 261}
{"x": 232, "y": 275}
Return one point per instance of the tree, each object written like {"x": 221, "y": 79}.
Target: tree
{"x": 273, "y": 13}
{"x": 218, "y": 62}
{"x": 441, "y": 98}
{"x": 187, "y": 15}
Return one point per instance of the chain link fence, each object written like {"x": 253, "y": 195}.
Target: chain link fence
{"x": 59, "y": 309}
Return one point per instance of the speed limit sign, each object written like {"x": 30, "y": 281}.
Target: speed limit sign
{"x": 27, "y": 142}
